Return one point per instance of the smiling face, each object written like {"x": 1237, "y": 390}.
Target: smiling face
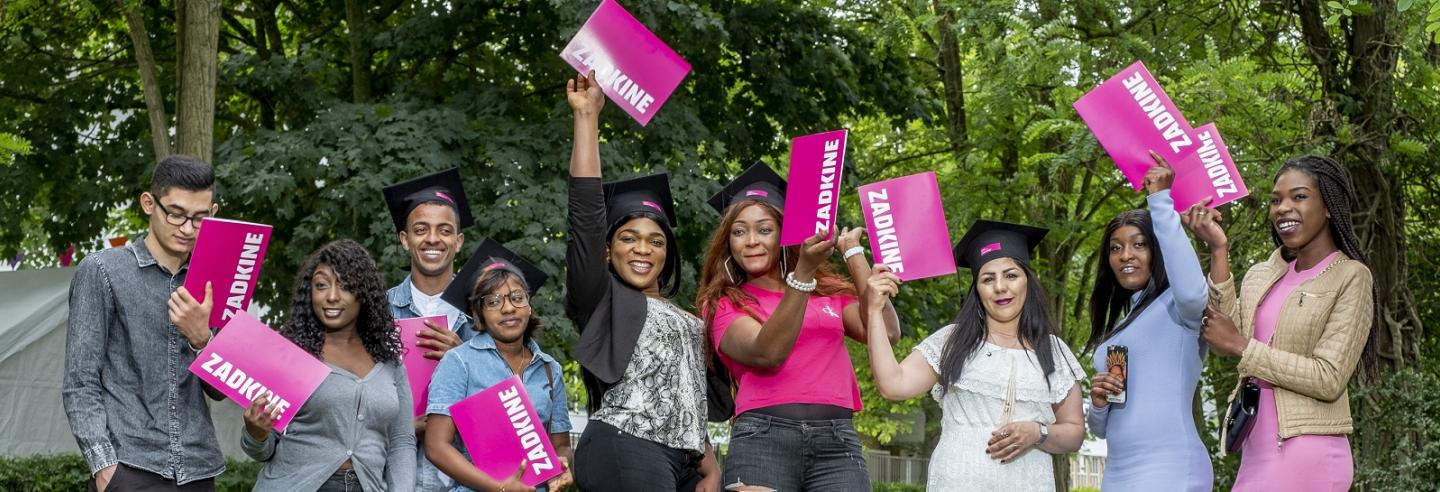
{"x": 177, "y": 205}
{"x": 432, "y": 238}
{"x": 336, "y": 308}
{"x": 755, "y": 240}
{"x": 1297, "y": 213}
{"x": 637, "y": 253}
{"x": 504, "y": 321}
{"x": 1002, "y": 286}
{"x": 1129, "y": 253}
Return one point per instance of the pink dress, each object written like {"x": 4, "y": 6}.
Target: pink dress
{"x": 1301, "y": 463}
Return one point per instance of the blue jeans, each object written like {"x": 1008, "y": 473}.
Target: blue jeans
{"x": 795, "y": 455}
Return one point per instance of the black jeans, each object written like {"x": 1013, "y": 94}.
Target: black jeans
{"x": 343, "y": 480}
{"x": 795, "y": 455}
{"x": 608, "y": 459}
{"x": 126, "y": 479}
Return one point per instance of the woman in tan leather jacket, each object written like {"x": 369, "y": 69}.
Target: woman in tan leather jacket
{"x": 1303, "y": 320}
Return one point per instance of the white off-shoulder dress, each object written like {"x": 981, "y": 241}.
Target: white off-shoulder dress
{"x": 975, "y": 405}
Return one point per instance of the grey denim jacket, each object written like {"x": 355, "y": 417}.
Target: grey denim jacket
{"x": 128, "y": 392}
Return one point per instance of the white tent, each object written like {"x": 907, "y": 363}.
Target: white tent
{"x": 34, "y": 309}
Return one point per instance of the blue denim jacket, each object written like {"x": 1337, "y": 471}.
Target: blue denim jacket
{"x": 128, "y": 392}
{"x": 476, "y": 365}
{"x": 402, "y": 305}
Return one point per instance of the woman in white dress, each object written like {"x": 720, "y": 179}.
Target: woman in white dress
{"x": 1006, "y": 384}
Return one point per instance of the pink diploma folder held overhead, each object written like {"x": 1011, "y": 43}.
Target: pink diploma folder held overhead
{"x": 635, "y": 69}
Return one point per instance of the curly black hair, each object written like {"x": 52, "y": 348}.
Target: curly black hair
{"x": 358, "y": 275}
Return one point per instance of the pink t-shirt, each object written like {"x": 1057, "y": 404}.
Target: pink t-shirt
{"x": 818, "y": 369}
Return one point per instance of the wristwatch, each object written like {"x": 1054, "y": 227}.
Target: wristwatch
{"x": 1044, "y": 434}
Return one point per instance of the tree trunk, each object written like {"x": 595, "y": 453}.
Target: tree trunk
{"x": 359, "y": 51}
{"x": 149, "y": 82}
{"x": 952, "y": 77}
{"x": 199, "y": 31}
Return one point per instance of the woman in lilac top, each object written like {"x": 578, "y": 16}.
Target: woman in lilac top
{"x": 1148, "y": 273}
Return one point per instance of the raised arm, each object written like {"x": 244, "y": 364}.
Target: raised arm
{"x": 857, "y": 322}
{"x": 917, "y": 374}
{"x": 586, "y": 273}
{"x": 767, "y": 345}
{"x": 1187, "y": 279}
{"x": 1204, "y": 223}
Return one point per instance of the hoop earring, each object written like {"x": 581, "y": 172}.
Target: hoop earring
{"x": 728, "y": 259}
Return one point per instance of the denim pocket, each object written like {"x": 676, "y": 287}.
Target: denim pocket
{"x": 748, "y": 427}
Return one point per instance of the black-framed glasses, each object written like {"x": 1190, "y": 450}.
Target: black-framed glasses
{"x": 494, "y": 302}
{"x": 179, "y": 220}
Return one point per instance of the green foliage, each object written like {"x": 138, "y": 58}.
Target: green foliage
{"x": 69, "y": 472}
{"x": 1407, "y": 404}
{"x": 898, "y": 487}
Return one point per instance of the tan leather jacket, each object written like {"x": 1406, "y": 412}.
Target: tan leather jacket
{"x": 1319, "y": 336}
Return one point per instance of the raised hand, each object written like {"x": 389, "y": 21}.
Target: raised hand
{"x": 815, "y": 250}
{"x": 1159, "y": 177}
{"x": 883, "y": 285}
{"x": 584, "y": 95}
{"x": 1204, "y": 223}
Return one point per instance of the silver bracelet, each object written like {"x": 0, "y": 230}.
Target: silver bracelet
{"x": 806, "y": 287}
{"x": 853, "y": 251}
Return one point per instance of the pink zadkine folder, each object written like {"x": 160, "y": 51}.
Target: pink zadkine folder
{"x": 635, "y": 69}
{"x": 812, "y": 189}
{"x": 1131, "y": 115}
{"x": 418, "y": 369}
{"x": 248, "y": 359}
{"x": 228, "y": 254}
{"x": 500, "y": 429}
{"x": 1207, "y": 172}
{"x": 905, "y": 221}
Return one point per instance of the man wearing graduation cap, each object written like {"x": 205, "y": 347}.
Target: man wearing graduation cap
{"x": 429, "y": 213}
{"x": 495, "y": 288}
{"x": 1021, "y": 398}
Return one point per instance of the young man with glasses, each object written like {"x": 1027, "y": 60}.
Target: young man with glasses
{"x": 429, "y": 212}
{"x": 139, "y": 417}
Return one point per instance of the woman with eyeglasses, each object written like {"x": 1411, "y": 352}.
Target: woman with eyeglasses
{"x": 494, "y": 288}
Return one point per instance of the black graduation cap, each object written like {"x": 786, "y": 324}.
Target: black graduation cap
{"x": 644, "y": 194}
{"x": 443, "y": 187}
{"x": 988, "y": 240}
{"x": 489, "y": 256}
{"x": 758, "y": 182}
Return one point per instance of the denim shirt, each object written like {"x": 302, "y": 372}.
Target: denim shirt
{"x": 477, "y": 365}
{"x": 402, "y": 305}
{"x": 128, "y": 393}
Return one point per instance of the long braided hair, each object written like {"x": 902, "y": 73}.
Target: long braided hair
{"x": 1338, "y": 196}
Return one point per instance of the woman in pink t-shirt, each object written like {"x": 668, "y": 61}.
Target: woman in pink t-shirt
{"x": 777, "y": 318}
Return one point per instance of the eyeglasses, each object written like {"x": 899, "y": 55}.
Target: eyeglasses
{"x": 179, "y": 220}
{"x": 494, "y": 302}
